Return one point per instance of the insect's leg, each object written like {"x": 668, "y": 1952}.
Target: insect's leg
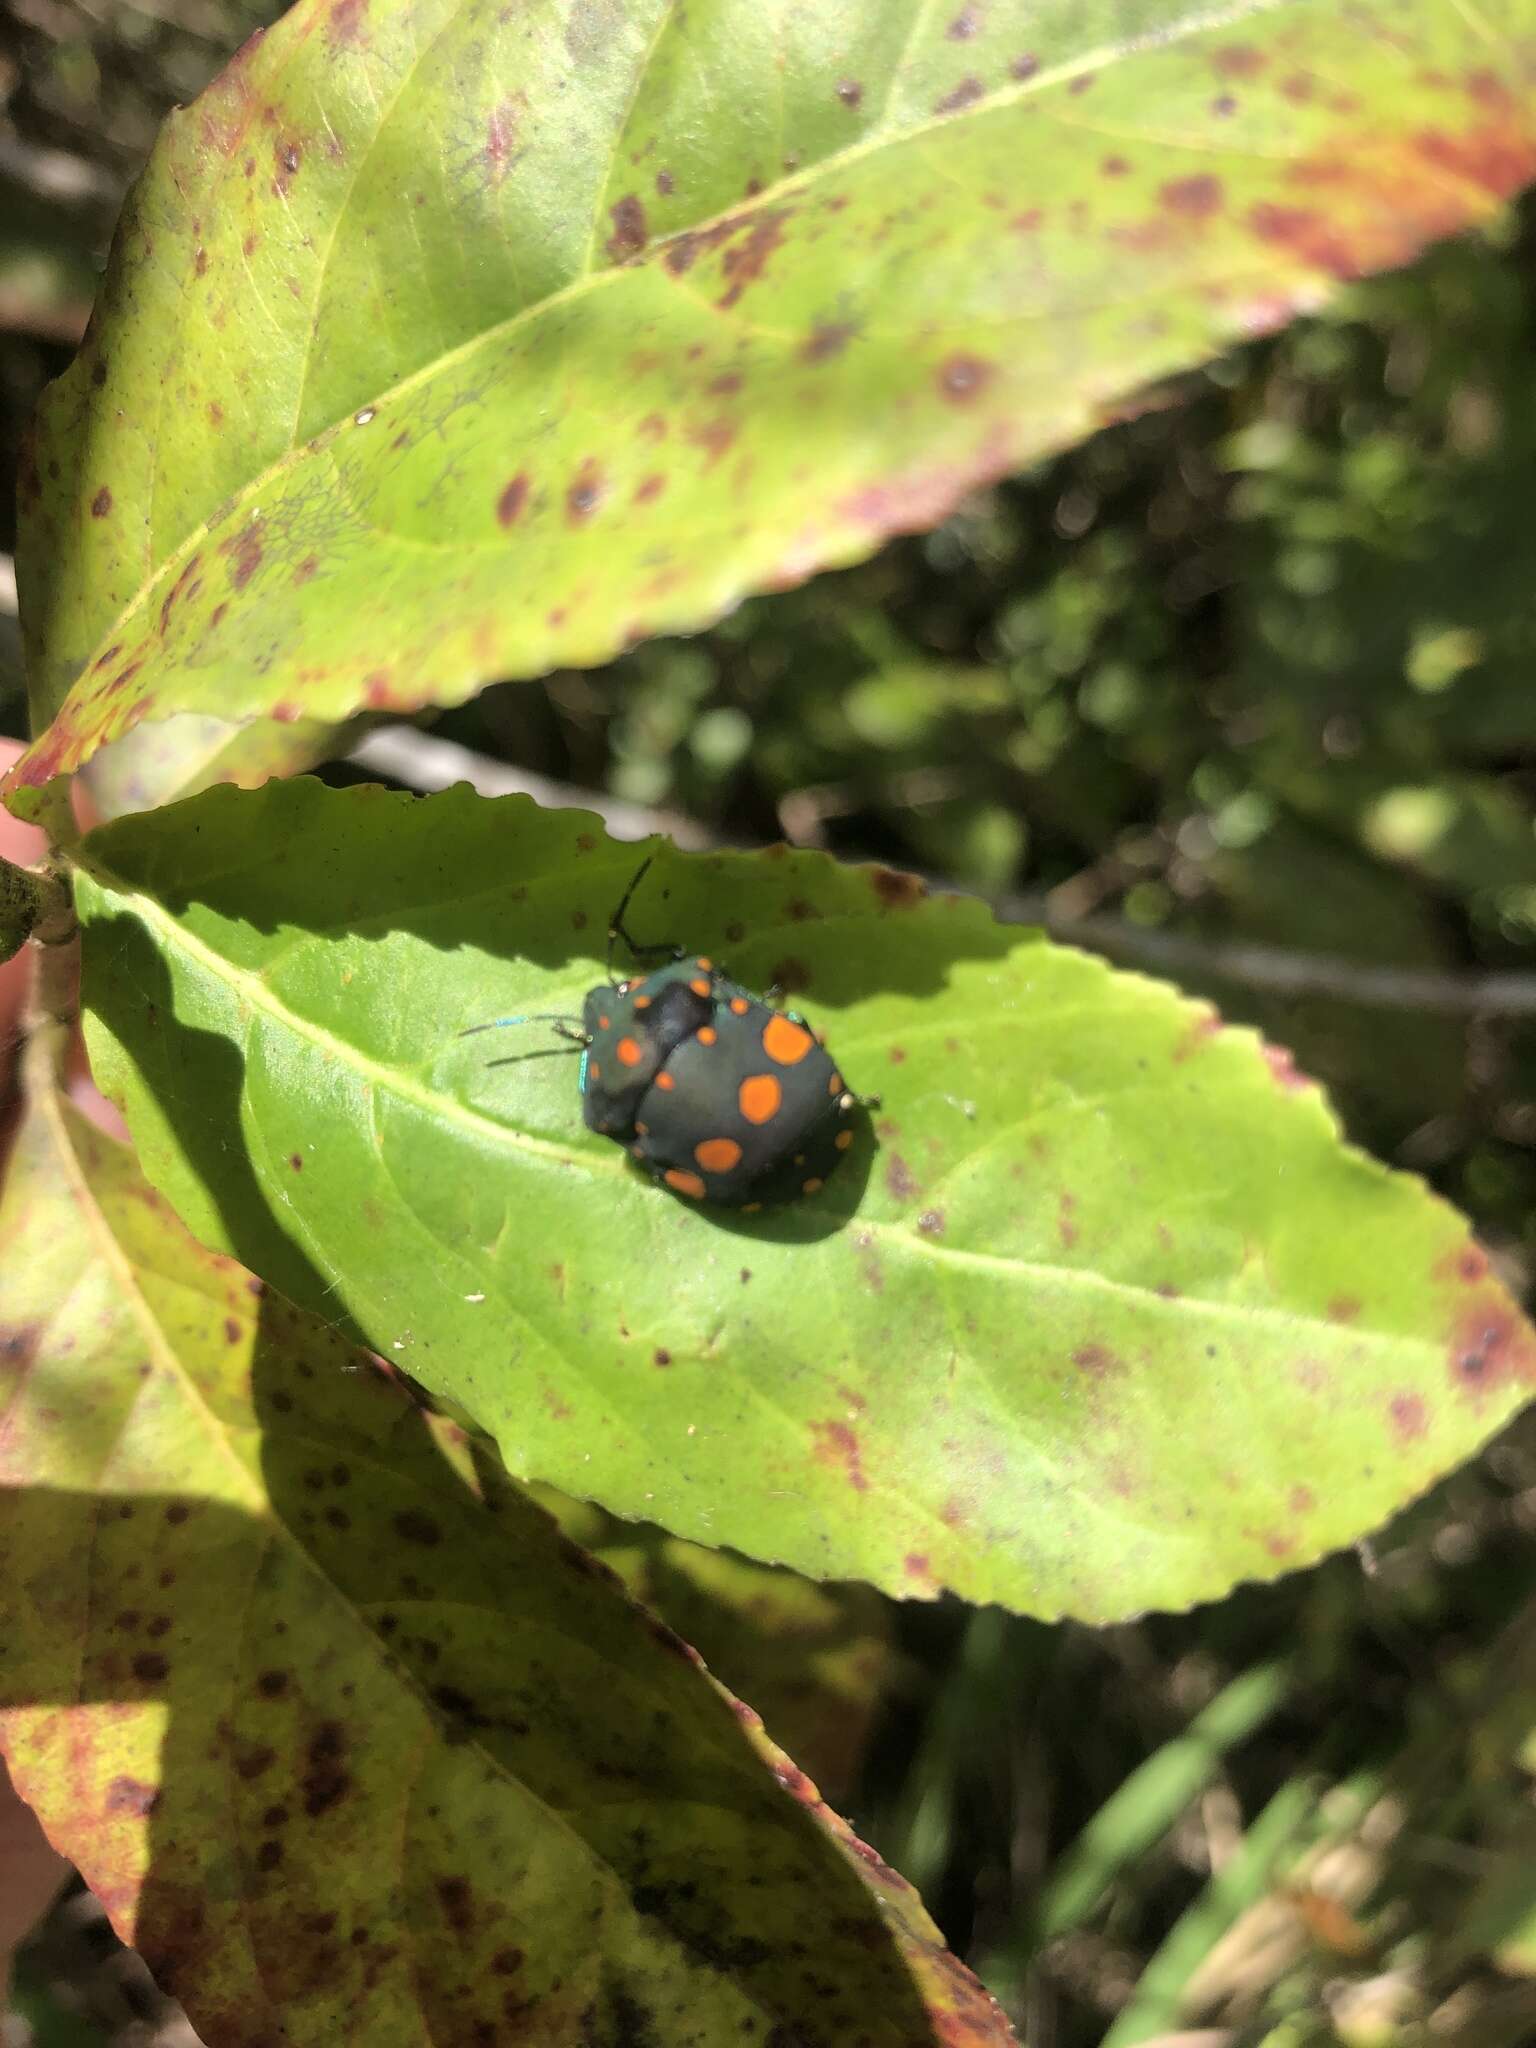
{"x": 617, "y": 929}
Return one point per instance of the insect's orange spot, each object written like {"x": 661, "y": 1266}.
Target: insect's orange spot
{"x": 835, "y": 1085}
{"x": 705, "y": 965}
{"x": 644, "y": 1130}
{"x": 699, "y": 987}
{"x": 642, "y": 1002}
{"x": 706, "y": 1034}
{"x": 813, "y": 1186}
{"x": 685, "y": 1183}
{"x": 750, "y": 1208}
{"x": 740, "y": 1005}
{"x": 842, "y": 1141}
{"x": 628, "y": 1050}
{"x": 665, "y": 1081}
{"x": 717, "y": 1155}
{"x": 605, "y": 1023}
{"x": 758, "y": 1098}
{"x": 786, "y": 1041}
{"x": 594, "y": 1071}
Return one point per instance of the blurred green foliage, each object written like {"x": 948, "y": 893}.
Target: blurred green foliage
{"x": 1254, "y": 664}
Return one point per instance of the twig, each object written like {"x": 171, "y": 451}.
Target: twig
{"x": 421, "y": 761}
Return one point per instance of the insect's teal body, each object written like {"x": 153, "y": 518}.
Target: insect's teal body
{"x": 717, "y": 1094}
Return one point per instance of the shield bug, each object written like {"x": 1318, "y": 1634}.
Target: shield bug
{"x": 719, "y": 1094}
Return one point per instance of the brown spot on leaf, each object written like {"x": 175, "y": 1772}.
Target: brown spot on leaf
{"x": 1097, "y": 1360}
{"x": 965, "y": 94}
{"x": 745, "y": 262}
{"x": 931, "y": 1223}
{"x": 1066, "y": 1229}
{"x": 650, "y": 488}
{"x": 850, "y": 91}
{"x": 1301, "y": 1500}
{"x": 827, "y": 340}
{"x": 150, "y": 1667}
{"x": 585, "y": 493}
{"x": 513, "y": 498}
{"x": 1343, "y": 1308}
{"x": 306, "y": 570}
{"x": 664, "y": 183}
{"x": 326, "y": 1780}
{"x": 131, "y": 1795}
{"x": 1197, "y": 198}
{"x": 415, "y": 1526}
{"x": 836, "y": 1444}
{"x": 965, "y": 23}
{"x": 898, "y": 1178}
{"x": 1237, "y": 60}
{"x": 630, "y": 232}
{"x": 101, "y": 504}
{"x": 1024, "y": 66}
{"x": 896, "y": 890}
{"x": 661, "y": 1356}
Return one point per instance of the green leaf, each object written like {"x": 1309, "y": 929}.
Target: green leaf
{"x": 1110, "y": 1320}
{"x": 350, "y": 1749}
{"x": 444, "y": 341}
{"x": 814, "y": 1660}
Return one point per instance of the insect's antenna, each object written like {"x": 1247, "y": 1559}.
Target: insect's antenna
{"x": 616, "y": 929}
{"x": 528, "y": 1017}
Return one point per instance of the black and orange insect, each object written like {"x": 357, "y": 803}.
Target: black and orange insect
{"x": 719, "y": 1095}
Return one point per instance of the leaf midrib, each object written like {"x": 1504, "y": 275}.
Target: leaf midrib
{"x": 896, "y": 1233}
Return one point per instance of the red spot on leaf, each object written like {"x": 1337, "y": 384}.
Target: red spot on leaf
{"x": 246, "y": 552}
{"x": 286, "y": 712}
{"x": 650, "y": 488}
{"x": 512, "y": 500}
{"x": 1282, "y": 1065}
{"x": 346, "y": 18}
{"x": 1301, "y": 1500}
{"x": 1410, "y": 1417}
{"x": 1197, "y": 1033}
{"x": 500, "y": 150}
{"x": 836, "y": 1444}
{"x": 1490, "y": 1345}
{"x": 962, "y": 378}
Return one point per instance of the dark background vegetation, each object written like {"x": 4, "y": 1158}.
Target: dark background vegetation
{"x": 1252, "y": 668}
